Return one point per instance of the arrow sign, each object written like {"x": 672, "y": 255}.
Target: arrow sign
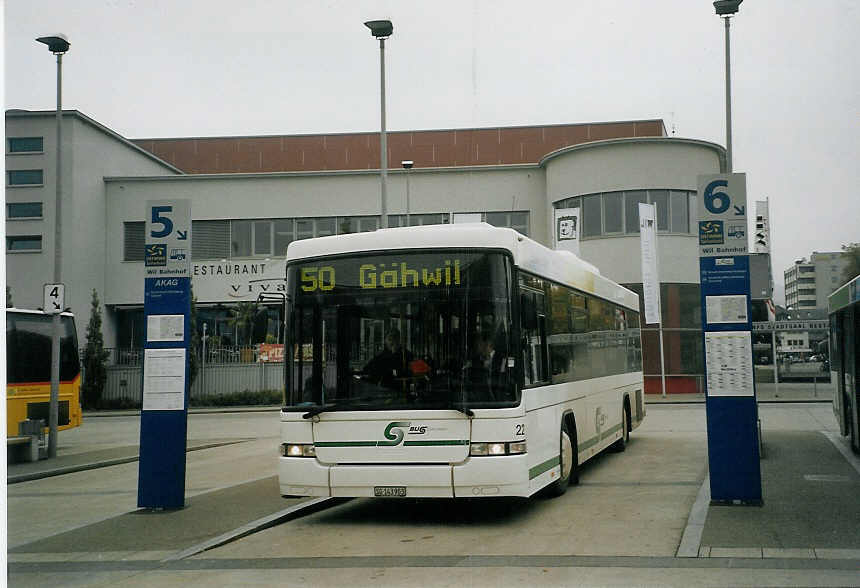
{"x": 54, "y": 298}
{"x": 183, "y": 235}
{"x": 740, "y": 210}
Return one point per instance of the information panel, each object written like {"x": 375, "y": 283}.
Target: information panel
{"x": 730, "y": 373}
{"x": 732, "y": 412}
{"x": 167, "y": 309}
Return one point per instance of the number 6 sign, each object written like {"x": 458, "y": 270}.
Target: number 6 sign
{"x": 722, "y": 226}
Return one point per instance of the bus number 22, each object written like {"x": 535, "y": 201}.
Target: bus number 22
{"x": 521, "y": 429}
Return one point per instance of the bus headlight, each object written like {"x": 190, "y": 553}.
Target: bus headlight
{"x": 497, "y": 448}
{"x": 298, "y": 450}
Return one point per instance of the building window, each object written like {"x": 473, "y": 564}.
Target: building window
{"x": 26, "y": 145}
{"x": 210, "y": 239}
{"x": 519, "y": 221}
{"x": 632, "y": 199}
{"x": 418, "y": 220}
{"x": 25, "y": 177}
{"x": 361, "y": 224}
{"x": 20, "y": 210}
{"x": 679, "y": 213}
{"x": 307, "y": 228}
{"x": 613, "y": 213}
{"x": 660, "y": 198}
{"x": 24, "y": 243}
{"x": 591, "y": 224}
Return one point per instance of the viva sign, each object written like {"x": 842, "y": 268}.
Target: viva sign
{"x": 237, "y": 280}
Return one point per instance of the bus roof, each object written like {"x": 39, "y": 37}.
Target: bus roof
{"x": 844, "y": 296}
{"x": 31, "y": 311}
{"x": 560, "y": 266}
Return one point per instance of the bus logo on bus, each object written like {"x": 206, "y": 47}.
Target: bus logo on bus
{"x": 394, "y": 433}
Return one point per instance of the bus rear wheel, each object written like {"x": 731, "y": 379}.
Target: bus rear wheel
{"x": 621, "y": 444}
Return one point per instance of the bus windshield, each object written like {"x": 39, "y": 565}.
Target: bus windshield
{"x": 416, "y": 330}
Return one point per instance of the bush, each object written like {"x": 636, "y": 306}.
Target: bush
{"x": 244, "y": 398}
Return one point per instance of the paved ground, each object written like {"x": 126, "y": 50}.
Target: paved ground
{"x": 626, "y": 524}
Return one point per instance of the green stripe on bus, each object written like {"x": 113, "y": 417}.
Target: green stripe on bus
{"x": 345, "y": 444}
{"x": 551, "y": 463}
{"x": 435, "y": 443}
{"x": 440, "y": 442}
{"x": 594, "y": 440}
{"x": 544, "y": 467}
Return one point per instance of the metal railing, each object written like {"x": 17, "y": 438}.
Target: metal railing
{"x": 226, "y": 370}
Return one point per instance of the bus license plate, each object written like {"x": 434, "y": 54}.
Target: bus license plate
{"x": 389, "y": 490}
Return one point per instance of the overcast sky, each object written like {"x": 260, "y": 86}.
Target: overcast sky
{"x": 174, "y": 68}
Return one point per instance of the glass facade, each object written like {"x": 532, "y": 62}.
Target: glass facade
{"x": 617, "y": 213}
{"x": 239, "y": 238}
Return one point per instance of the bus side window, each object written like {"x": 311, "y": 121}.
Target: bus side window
{"x": 533, "y": 328}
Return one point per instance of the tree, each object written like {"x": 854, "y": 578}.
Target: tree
{"x": 193, "y": 359}
{"x": 851, "y": 253}
{"x": 242, "y": 319}
{"x": 95, "y": 358}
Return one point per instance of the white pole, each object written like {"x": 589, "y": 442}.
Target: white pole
{"x": 54, "y": 404}
{"x": 203, "y": 364}
{"x": 775, "y": 363}
{"x": 383, "y": 144}
{"x": 662, "y": 360}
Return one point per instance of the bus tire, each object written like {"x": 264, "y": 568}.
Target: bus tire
{"x": 621, "y": 444}
{"x": 567, "y": 462}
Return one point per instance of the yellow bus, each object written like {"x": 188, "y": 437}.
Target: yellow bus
{"x": 28, "y": 369}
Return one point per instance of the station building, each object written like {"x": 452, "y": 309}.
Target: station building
{"x": 251, "y": 196}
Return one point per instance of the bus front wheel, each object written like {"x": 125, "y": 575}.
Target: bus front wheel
{"x": 568, "y": 463}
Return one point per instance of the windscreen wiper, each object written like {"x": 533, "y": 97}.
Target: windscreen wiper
{"x": 464, "y": 409}
{"x": 320, "y": 409}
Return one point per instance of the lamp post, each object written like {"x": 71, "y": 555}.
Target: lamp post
{"x": 407, "y": 165}
{"x": 382, "y": 29}
{"x": 725, "y": 9}
{"x": 58, "y": 45}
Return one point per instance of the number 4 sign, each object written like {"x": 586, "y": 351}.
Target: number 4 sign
{"x": 54, "y": 300}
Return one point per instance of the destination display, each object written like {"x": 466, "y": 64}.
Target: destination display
{"x": 415, "y": 271}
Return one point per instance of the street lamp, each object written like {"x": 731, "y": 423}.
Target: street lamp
{"x": 407, "y": 165}
{"x": 725, "y": 9}
{"x": 58, "y": 45}
{"x": 382, "y": 29}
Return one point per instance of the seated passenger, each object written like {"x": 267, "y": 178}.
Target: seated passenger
{"x": 391, "y": 363}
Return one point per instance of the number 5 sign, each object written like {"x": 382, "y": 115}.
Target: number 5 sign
{"x": 168, "y": 238}
{"x": 722, "y": 226}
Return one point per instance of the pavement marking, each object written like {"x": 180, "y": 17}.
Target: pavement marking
{"x": 783, "y": 552}
{"x": 744, "y": 552}
{"x": 692, "y": 537}
{"x": 826, "y": 478}
{"x": 255, "y": 526}
{"x": 71, "y": 469}
{"x": 612, "y": 484}
{"x": 840, "y": 444}
{"x": 436, "y": 561}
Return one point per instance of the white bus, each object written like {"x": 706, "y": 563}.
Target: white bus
{"x": 451, "y": 361}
